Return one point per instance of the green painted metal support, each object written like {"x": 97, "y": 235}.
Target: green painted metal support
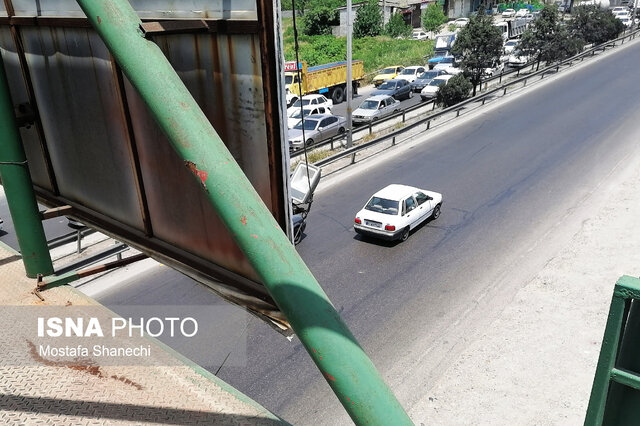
{"x": 333, "y": 348}
{"x": 614, "y": 397}
{"x": 18, "y": 189}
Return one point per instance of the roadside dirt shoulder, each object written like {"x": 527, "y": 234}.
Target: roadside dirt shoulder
{"x": 535, "y": 364}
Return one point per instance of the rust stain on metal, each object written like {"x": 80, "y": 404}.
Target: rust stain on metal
{"x": 330, "y": 377}
{"x": 243, "y": 220}
{"x": 203, "y": 175}
{"x": 99, "y": 20}
{"x": 80, "y": 365}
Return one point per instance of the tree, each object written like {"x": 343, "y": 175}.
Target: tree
{"x": 433, "y": 18}
{"x": 594, "y": 24}
{"x": 479, "y": 45}
{"x": 548, "y": 38}
{"x": 396, "y": 27}
{"x": 456, "y": 90}
{"x": 368, "y": 22}
{"x": 319, "y": 19}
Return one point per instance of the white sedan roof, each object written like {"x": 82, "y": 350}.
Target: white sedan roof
{"x": 396, "y": 192}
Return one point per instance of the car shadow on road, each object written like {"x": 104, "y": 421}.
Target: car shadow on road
{"x": 386, "y": 243}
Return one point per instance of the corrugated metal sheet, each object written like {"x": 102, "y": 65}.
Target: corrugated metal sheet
{"x": 107, "y": 156}
{"x": 213, "y": 9}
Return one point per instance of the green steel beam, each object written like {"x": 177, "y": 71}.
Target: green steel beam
{"x": 627, "y": 378}
{"x": 19, "y": 189}
{"x": 333, "y": 348}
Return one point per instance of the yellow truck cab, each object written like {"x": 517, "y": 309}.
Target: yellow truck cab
{"x": 387, "y": 74}
{"x": 328, "y": 79}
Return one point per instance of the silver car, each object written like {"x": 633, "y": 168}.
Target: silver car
{"x": 375, "y": 108}
{"x": 317, "y": 127}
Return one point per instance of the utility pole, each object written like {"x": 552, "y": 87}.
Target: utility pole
{"x": 349, "y": 82}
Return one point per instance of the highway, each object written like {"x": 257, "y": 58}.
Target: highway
{"x": 517, "y": 178}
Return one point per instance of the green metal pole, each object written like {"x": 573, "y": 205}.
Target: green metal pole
{"x": 19, "y": 190}
{"x": 333, "y": 348}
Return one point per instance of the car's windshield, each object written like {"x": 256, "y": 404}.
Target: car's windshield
{"x": 387, "y": 85}
{"x": 447, "y": 60}
{"x": 511, "y": 43}
{"x": 303, "y": 101}
{"x": 369, "y": 105}
{"x": 428, "y": 75}
{"x": 408, "y": 71}
{"x": 296, "y": 114}
{"x": 308, "y": 124}
{"x": 382, "y": 205}
{"x": 437, "y": 82}
{"x": 388, "y": 71}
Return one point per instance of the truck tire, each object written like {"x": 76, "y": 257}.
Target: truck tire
{"x": 355, "y": 88}
{"x": 338, "y": 95}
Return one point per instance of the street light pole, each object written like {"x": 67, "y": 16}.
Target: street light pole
{"x": 349, "y": 82}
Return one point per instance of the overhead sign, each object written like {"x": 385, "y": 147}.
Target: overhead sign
{"x": 92, "y": 144}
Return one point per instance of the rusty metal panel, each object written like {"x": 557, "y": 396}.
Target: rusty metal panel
{"x": 111, "y": 162}
{"x": 223, "y": 75}
{"x": 82, "y": 119}
{"x": 20, "y": 97}
{"x": 214, "y": 9}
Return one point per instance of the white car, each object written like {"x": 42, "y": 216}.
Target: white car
{"x": 392, "y": 212}
{"x": 626, "y": 21}
{"x": 291, "y": 98}
{"x": 375, "y": 108}
{"x": 522, "y": 13}
{"x": 431, "y": 89}
{"x": 517, "y": 59}
{"x": 447, "y": 65}
{"x": 508, "y": 13}
{"x": 419, "y": 35}
{"x": 411, "y": 73}
{"x": 461, "y": 22}
{"x": 296, "y": 114}
{"x": 312, "y": 100}
{"x": 509, "y": 46}
{"x": 495, "y": 70}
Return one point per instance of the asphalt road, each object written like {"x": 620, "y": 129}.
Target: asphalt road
{"x": 511, "y": 176}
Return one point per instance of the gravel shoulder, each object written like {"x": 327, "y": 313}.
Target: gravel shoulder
{"x": 534, "y": 365}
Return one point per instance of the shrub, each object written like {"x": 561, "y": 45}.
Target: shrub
{"x": 433, "y": 17}
{"x": 396, "y": 27}
{"x": 319, "y": 20}
{"x": 368, "y": 22}
{"x": 456, "y": 90}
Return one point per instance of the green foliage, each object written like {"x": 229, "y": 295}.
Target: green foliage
{"x": 368, "y": 22}
{"x": 478, "y": 45}
{"x": 317, "y": 50}
{"x": 548, "y": 39}
{"x": 375, "y": 52}
{"x": 456, "y": 90}
{"x": 396, "y": 27}
{"x": 594, "y": 24}
{"x": 433, "y": 17}
{"x": 319, "y": 20}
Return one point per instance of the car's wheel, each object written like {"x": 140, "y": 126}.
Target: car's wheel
{"x": 297, "y": 234}
{"x": 405, "y": 234}
{"x": 338, "y": 95}
{"x": 436, "y": 212}
{"x": 410, "y": 95}
{"x": 309, "y": 142}
{"x": 341, "y": 130}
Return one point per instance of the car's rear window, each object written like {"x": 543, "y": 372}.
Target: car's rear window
{"x": 382, "y": 205}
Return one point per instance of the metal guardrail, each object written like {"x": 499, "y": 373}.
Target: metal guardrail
{"x": 460, "y": 106}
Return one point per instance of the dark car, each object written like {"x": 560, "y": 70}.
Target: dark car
{"x": 424, "y": 79}
{"x": 299, "y": 225}
{"x": 399, "y": 89}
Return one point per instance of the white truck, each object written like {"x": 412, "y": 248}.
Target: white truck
{"x": 512, "y": 27}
